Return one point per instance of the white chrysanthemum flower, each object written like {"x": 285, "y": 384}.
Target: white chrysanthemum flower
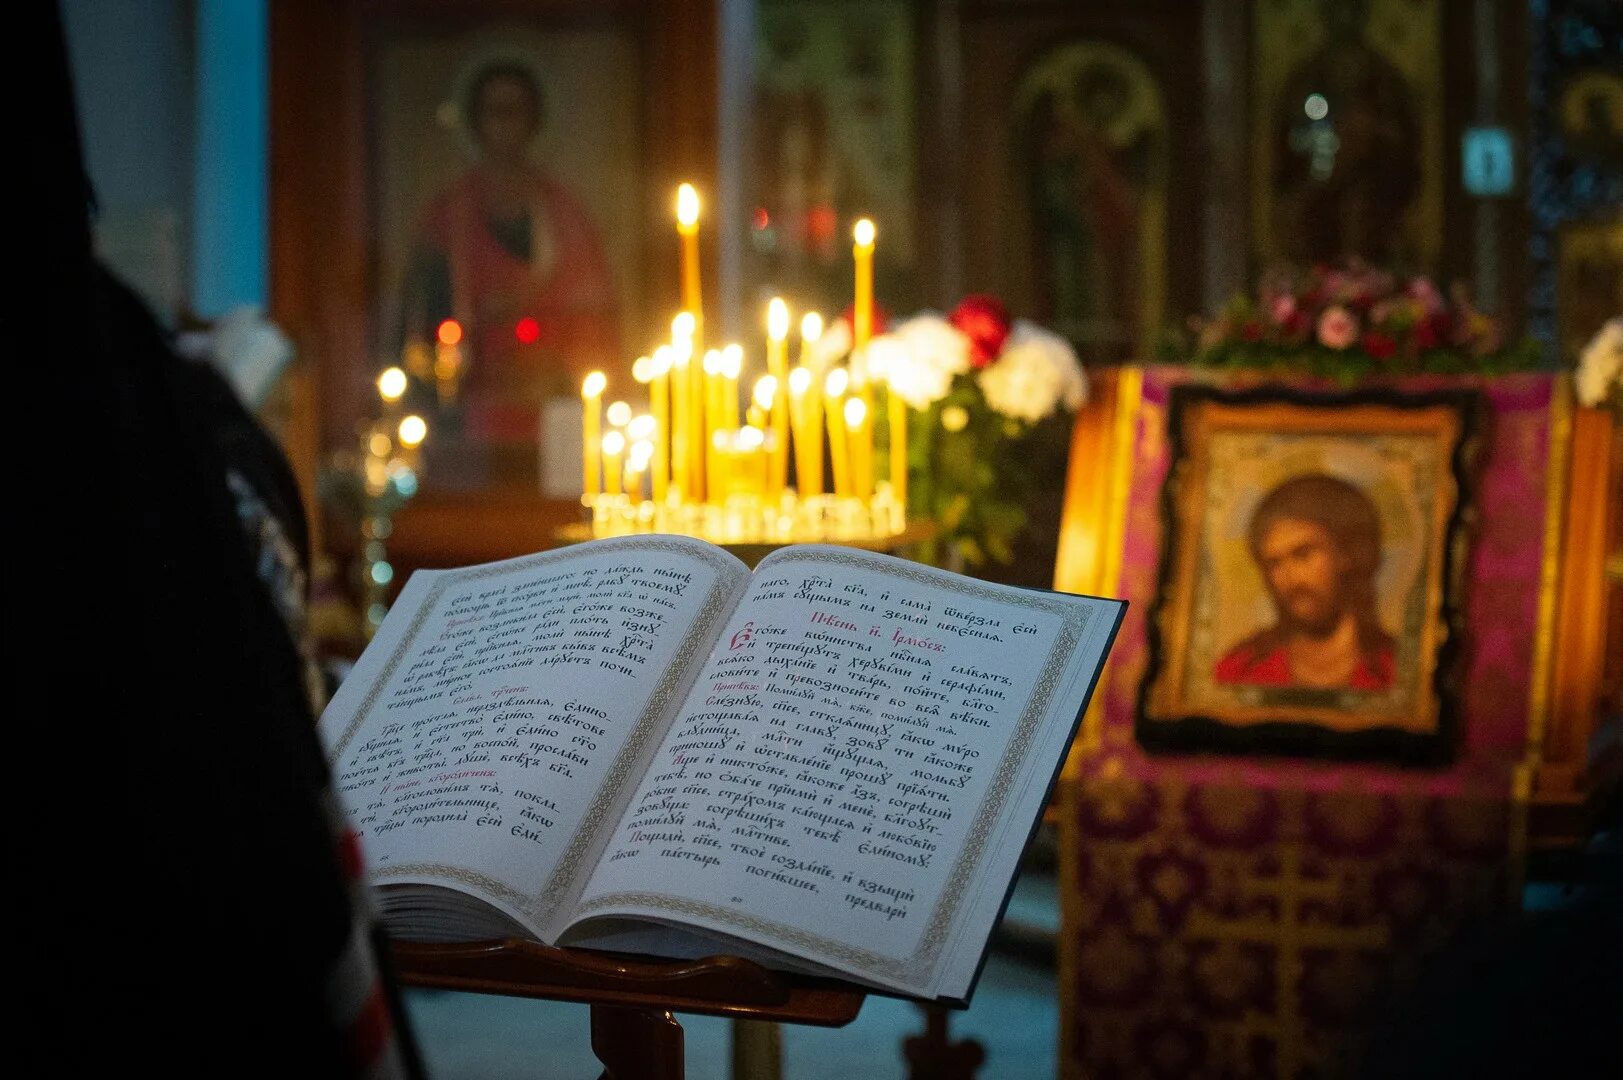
{"x": 829, "y": 349}
{"x": 1037, "y": 372}
{"x": 928, "y": 352}
{"x": 1600, "y": 367}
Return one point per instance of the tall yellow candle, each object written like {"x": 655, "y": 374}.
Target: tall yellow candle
{"x": 712, "y": 422}
{"x": 800, "y": 380}
{"x": 591, "y": 395}
{"x": 614, "y": 444}
{"x": 858, "y": 430}
{"x": 679, "y": 421}
{"x": 750, "y": 476}
{"x": 732, "y": 366}
{"x": 659, "y": 395}
{"x": 777, "y": 366}
{"x": 885, "y": 361}
{"x": 771, "y": 397}
{"x": 811, "y": 331}
{"x": 687, "y": 227}
{"x": 862, "y": 314}
{"x": 690, "y": 421}
{"x": 834, "y": 388}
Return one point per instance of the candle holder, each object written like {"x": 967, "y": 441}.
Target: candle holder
{"x": 365, "y": 487}
{"x": 689, "y": 465}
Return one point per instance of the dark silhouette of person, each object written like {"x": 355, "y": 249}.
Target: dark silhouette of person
{"x": 1317, "y": 541}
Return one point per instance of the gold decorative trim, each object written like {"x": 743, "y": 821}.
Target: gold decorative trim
{"x": 912, "y": 968}
{"x": 1524, "y": 779}
{"x": 701, "y": 631}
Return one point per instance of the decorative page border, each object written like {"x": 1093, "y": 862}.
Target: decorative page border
{"x": 913, "y": 968}
{"x": 540, "y": 908}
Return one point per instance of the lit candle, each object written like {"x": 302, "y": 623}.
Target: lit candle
{"x": 392, "y": 387}
{"x": 777, "y": 366}
{"x": 811, "y": 330}
{"x": 614, "y": 443}
{"x": 886, "y": 363}
{"x": 732, "y": 365}
{"x": 711, "y": 366}
{"x": 720, "y": 465}
{"x": 660, "y": 400}
{"x": 687, "y": 226}
{"x": 862, "y": 314}
{"x": 690, "y": 423}
{"x": 771, "y": 399}
{"x": 811, "y": 482}
{"x": 751, "y": 472}
{"x": 618, "y": 414}
{"x": 858, "y": 430}
{"x": 800, "y": 380}
{"x": 637, "y": 460}
{"x": 591, "y": 395}
{"x": 412, "y": 431}
{"x": 834, "y": 388}
{"x": 448, "y": 360}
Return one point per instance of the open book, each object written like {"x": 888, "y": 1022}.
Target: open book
{"x": 830, "y": 765}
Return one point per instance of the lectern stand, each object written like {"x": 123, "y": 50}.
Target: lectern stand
{"x": 634, "y": 1034}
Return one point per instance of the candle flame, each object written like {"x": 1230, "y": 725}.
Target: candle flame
{"x": 811, "y": 327}
{"x": 855, "y": 412}
{"x": 663, "y": 358}
{"x": 800, "y": 380}
{"x": 392, "y": 384}
{"x": 777, "y": 319}
{"x": 642, "y": 428}
{"x": 687, "y": 207}
{"x": 450, "y": 332}
{"x": 837, "y": 381}
{"x": 732, "y": 360}
{"x": 864, "y": 233}
{"x": 642, "y": 369}
{"x": 712, "y": 362}
{"x": 613, "y": 443}
{"x": 750, "y": 438}
{"x": 766, "y": 388}
{"x": 684, "y": 326}
{"x": 413, "y": 430}
{"x": 619, "y": 414}
{"x": 594, "y": 385}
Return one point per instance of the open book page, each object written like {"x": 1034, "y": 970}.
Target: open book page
{"x": 490, "y": 734}
{"x": 863, "y": 737}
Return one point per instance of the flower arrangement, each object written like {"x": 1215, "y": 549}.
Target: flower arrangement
{"x": 1600, "y": 366}
{"x": 1351, "y": 320}
{"x": 993, "y": 397}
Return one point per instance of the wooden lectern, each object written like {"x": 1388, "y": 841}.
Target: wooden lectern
{"x": 634, "y": 1034}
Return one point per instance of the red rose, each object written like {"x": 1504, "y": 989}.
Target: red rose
{"x": 985, "y": 322}
{"x": 1380, "y": 346}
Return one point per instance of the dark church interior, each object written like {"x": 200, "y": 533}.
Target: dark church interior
{"x": 817, "y": 539}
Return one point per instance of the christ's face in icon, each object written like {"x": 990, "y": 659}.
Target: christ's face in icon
{"x": 1304, "y": 566}
{"x": 505, "y": 117}
{"x": 1317, "y": 543}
